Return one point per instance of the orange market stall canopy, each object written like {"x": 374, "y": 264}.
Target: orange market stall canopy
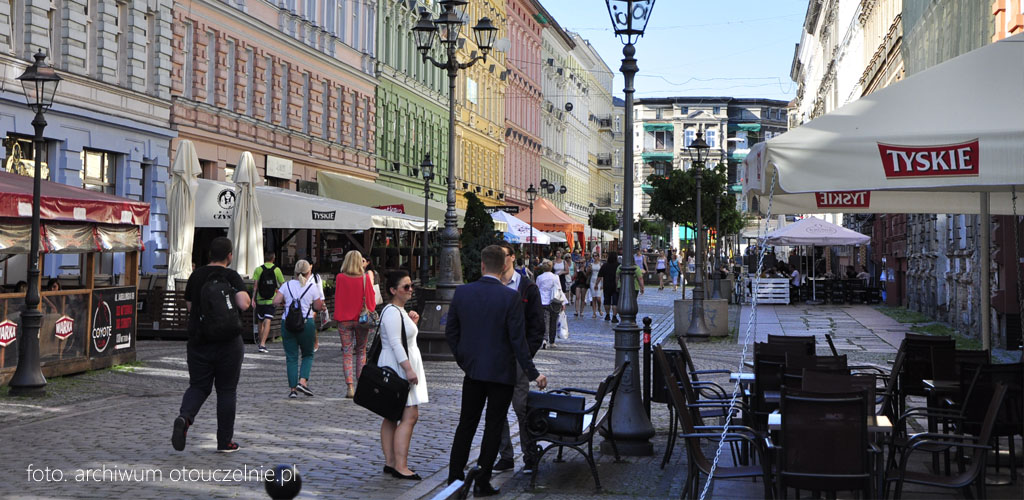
{"x": 547, "y": 217}
{"x": 88, "y": 324}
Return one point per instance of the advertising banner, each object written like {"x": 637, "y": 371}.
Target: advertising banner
{"x": 113, "y": 321}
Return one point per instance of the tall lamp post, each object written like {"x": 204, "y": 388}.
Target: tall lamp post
{"x": 446, "y": 28}
{"x": 698, "y": 327}
{"x": 531, "y": 196}
{"x": 630, "y": 424}
{"x": 716, "y": 294}
{"x": 428, "y": 175}
{"x": 39, "y": 82}
{"x": 590, "y": 222}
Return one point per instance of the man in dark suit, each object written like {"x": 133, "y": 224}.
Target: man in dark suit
{"x": 487, "y": 336}
{"x": 530, "y": 295}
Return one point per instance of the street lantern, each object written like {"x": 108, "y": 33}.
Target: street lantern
{"x": 631, "y": 425}
{"x": 531, "y": 196}
{"x": 592, "y": 210}
{"x": 698, "y": 151}
{"x": 427, "y": 167}
{"x": 39, "y": 82}
{"x": 446, "y": 29}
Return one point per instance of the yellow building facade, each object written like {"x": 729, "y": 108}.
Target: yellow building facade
{"x": 480, "y": 112}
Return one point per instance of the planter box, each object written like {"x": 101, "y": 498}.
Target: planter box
{"x": 716, "y": 316}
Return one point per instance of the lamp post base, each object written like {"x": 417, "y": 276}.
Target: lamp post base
{"x": 628, "y": 448}
{"x": 431, "y": 340}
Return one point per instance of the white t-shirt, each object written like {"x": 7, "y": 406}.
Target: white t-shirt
{"x": 294, "y": 287}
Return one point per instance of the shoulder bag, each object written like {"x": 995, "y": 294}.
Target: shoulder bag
{"x": 380, "y": 389}
{"x": 368, "y": 318}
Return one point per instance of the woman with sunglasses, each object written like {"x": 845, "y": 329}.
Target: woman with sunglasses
{"x": 408, "y": 364}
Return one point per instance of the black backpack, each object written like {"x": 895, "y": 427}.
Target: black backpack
{"x": 295, "y": 321}
{"x": 268, "y": 283}
{"x": 219, "y": 319}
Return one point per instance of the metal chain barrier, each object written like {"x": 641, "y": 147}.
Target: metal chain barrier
{"x": 746, "y": 339}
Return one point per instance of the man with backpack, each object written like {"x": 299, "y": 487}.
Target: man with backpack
{"x": 215, "y": 297}
{"x": 268, "y": 279}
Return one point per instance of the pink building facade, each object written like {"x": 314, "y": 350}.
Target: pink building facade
{"x": 522, "y": 101}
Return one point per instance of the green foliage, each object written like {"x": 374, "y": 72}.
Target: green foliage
{"x": 673, "y": 198}
{"x": 904, "y": 315}
{"x": 477, "y": 233}
{"x": 605, "y": 220}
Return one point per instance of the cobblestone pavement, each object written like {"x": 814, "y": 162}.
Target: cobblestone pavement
{"x": 94, "y": 427}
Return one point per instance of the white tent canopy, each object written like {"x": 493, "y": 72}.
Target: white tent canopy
{"x": 557, "y": 237}
{"x": 519, "y": 231}
{"x": 813, "y": 231}
{"x": 284, "y": 209}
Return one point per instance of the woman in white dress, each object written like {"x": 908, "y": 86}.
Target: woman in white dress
{"x": 396, "y": 436}
{"x": 595, "y": 288}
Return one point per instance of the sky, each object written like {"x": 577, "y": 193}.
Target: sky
{"x": 736, "y": 48}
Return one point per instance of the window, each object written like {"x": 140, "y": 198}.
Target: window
{"x": 661, "y": 139}
{"x": 688, "y": 137}
{"x": 250, "y": 84}
{"x": 55, "y": 21}
{"x": 352, "y": 118}
{"x": 716, "y": 110}
{"x": 149, "y": 21}
{"x": 188, "y": 76}
{"x": 366, "y": 123}
{"x": 211, "y": 67}
{"x": 325, "y": 113}
{"x": 683, "y": 110}
{"x": 286, "y": 93}
{"x": 91, "y": 23}
{"x": 121, "y": 42}
{"x": 658, "y": 114}
{"x": 16, "y": 10}
{"x": 21, "y": 158}
{"x": 342, "y": 19}
{"x": 356, "y": 41}
{"x": 471, "y": 88}
{"x": 305, "y": 103}
{"x": 268, "y": 100}
{"x": 341, "y": 113}
{"x": 98, "y": 171}
{"x": 230, "y": 90}
{"x": 712, "y": 138}
{"x": 229, "y": 173}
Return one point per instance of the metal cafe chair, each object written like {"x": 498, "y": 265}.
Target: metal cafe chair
{"x": 978, "y": 446}
{"x": 697, "y": 461}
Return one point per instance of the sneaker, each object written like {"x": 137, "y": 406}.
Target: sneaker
{"x": 503, "y": 465}
{"x": 180, "y": 430}
{"x": 304, "y": 389}
{"x": 293, "y": 394}
{"x": 607, "y": 316}
{"x": 615, "y": 319}
{"x": 544, "y": 345}
{"x": 230, "y": 448}
{"x": 263, "y": 348}
{"x": 528, "y": 468}
{"x": 316, "y": 348}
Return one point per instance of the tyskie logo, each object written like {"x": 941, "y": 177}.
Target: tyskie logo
{"x": 930, "y": 161}
{"x": 8, "y": 332}
{"x": 64, "y": 327}
{"x": 843, "y": 199}
{"x": 318, "y": 215}
{"x": 102, "y": 327}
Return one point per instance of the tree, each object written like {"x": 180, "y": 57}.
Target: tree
{"x": 673, "y": 199}
{"x": 605, "y": 220}
{"x": 477, "y": 233}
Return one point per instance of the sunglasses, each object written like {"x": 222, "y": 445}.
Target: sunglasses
{"x": 406, "y": 287}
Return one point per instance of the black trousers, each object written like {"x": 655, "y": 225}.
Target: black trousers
{"x": 214, "y": 365}
{"x": 474, "y": 394}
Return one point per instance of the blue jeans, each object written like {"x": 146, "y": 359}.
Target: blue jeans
{"x": 293, "y": 342}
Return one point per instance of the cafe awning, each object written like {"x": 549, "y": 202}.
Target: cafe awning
{"x": 61, "y": 202}
{"x": 666, "y": 156}
{"x": 370, "y": 194}
{"x": 284, "y": 209}
{"x": 749, "y": 127}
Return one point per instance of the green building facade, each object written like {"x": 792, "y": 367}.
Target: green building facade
{"x": 412, "y": 103}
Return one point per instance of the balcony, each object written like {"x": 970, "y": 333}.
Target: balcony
{"x": 604, "y": 201}
{"x": 604, "y": 161}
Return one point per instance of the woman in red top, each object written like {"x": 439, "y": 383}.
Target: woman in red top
{"x": 353, "y": 288}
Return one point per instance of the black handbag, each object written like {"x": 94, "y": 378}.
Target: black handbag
{"x": 380, "y": 389}
{"x": 550, "y": 417}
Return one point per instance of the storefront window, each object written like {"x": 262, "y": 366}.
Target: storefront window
{"x": 98, "y": 171}
{"x": 19, "y": 157}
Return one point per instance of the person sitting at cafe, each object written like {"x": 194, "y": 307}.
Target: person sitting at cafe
{"x": 850, "y": 273}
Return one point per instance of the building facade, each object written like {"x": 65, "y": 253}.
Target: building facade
{"x": 299, "y": 93}
{"x": 556, "y": 53}
{"x": 601, "y": 145}
{"x": 480, "y": 113}
{"x": 109, "y": 128}
{"x": 411, "y": 103}
{"x": 523, "y": 100}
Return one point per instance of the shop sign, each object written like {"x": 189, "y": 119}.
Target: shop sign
{"x": 398, "y": 209}
{"x": 8, "y": 332}
{"x": 843, "y": 199}
{"x": 323, "y": 215}
{"x": 280, "y": 168}
{"x": 64, "y": 327}
{"x": 510, "y": 209}
{"x": 930, "y": 161}
{"x": 113, "y": 320}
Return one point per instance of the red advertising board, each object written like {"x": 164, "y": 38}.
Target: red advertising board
{"x": 398, "y": 209}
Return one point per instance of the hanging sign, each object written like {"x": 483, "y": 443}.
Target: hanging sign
{"x": 398, "y": 209}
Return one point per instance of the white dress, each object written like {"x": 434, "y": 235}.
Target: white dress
{"x": 391, "y": 353}
{"x": 594, "y": 269}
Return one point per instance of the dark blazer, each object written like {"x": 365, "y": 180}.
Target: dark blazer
{"x": 530, "y": 295}
{"x": 486, "y": 333}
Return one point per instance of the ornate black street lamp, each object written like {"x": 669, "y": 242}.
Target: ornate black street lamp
{"x": 630, "y": 424}
{"x": 446, "y": 28}
{"x": 590, "y": 222}
{"x": 716, "y": 294}
{"x": 428, "y": 175}
{"x": 531, "y": 196}
{"x": 39, "y": 82}
{"x": 698, "y": 327}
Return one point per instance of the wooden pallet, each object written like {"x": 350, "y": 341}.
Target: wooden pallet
{"x": 772, "y": 291}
